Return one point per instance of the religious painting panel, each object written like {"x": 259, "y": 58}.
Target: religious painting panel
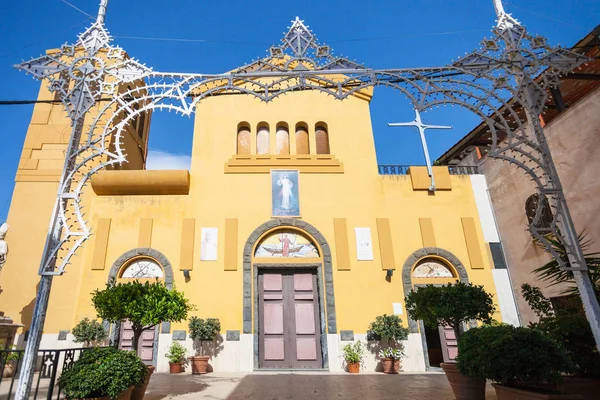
{"x": 286, "y": 243}
{"x": 364, "y": 245}
{"x": 208, "y": 248}
{"x": 285, "y": 201}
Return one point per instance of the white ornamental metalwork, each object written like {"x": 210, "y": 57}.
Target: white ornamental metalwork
{"x": 504, "y": 82}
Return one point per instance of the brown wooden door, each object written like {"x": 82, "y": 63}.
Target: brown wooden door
{"x": 289, "y": 330}
{"x": 449, "y": 343}
{"x": 145, "y": 346}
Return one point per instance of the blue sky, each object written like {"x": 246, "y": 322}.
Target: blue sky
{"x": 223, "y": 35}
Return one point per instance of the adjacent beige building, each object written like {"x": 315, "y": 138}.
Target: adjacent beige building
{"x": 572, "y": 126}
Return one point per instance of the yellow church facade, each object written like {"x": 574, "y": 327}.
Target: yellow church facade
{"x": 283, "y": 228}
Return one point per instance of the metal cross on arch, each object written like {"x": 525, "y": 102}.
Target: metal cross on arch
{"x": 421, "y": 127}
{"x": 504, "y": 82}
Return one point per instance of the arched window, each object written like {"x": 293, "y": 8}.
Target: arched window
{"x": 322, "y": 138}
{"x": 302, "y": 146}
{"x": 282, "y": 137}
{"x": 262, "y": 140}
{"x": 243, "y": 139}
{"x": 142, "y": 268}
{"x": 286, "y": 243}
{"x": 432, "y": 268}
{"x": 531, "y": 206}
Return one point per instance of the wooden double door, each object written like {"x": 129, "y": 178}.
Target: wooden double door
{"x": 146, "y": 343}
{"x": 289, "y": 323}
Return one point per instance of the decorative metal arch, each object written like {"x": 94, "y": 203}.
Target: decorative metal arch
{"x": 496, "y": 82}
{"x": 504, "y": 82}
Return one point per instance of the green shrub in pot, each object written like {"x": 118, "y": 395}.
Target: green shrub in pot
{"x": 571, "y": 332}
{"x": 89, "y": 332}
{"x": 202, "y": 330}
{"x": 102, "y": 371}
{"x": 514, "y": 357}
{"x": 176, "y": 353}
{"x": 453, "y": 305}
{"x": 353, "y": 352}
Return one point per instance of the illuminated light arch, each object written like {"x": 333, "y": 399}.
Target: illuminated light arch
{"x": 504, "y": 82}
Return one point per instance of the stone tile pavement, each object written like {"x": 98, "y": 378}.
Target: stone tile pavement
{"x": 298, "y": 386}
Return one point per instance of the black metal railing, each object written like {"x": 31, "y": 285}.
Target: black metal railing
{"x": 49, "y": 365}
{"x": 403, "y": 169}
{"x": 393, "y": 169}
{"x": 463, "y": 169}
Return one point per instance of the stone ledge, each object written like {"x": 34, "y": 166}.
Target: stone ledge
{"x": 346, "y": 335}
{"x": 179, "y": 335}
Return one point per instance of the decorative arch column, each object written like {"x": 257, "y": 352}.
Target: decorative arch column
{"x": 412, "y": 260}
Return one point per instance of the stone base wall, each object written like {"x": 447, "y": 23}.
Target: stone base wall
{"x": 238, "y": 355}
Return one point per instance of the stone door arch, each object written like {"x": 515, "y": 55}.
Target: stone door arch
{"x": 116, "y": 272}
{"x": 442, "y": 344}
{"x": 324, "y": 278}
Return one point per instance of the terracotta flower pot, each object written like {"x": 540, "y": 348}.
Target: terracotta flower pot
{"x": 354, "y": 368}
{"x": 140, "y": 390}
{"x": 126, "y": 395}
{"x": 8, "y": 371}
{"x": 509, "y": 393}
{"x": 175, "y": 368}
{"x": 464, "y": 387}
{"x": 199, "y": 364}
{"x": 390, "y": 365}
{"x": 587, "y": 388}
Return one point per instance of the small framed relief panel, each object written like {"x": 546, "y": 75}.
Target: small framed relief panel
{"x": 364, "y": 246}
{"x": 208, "y": 247}
{"x": 285, "y": 199}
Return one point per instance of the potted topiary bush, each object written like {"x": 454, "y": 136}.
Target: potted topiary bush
{"x": 453, "y": 305}
{"x": 176, "y": 356}
{"x": 202, "y": 330}
{"x": 524, "y": 363}
{"x": 353, "y": 353}
{"x": 389, "y": 330}
{"x": 144, "y": 305}
{"x": 103, "y": 372}
{"x": 572, "y": 333}
{"x": 89, "y": 332}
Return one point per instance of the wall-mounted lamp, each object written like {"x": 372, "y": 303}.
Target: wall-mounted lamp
{"x": 389, "y": 273}
{"x": 186, "y": 273}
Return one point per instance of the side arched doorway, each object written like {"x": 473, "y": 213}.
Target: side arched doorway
{"x": 433, "y": 266}
{"x": 289, "y": 304}
{"x": 141, "y": 264}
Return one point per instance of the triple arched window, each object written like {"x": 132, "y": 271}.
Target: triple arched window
{"x": 283, "y": 140}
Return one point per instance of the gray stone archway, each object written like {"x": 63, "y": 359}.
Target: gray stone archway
{"x": 328, "y": 270}
{"x": 168, "y": 279}
{"x": 147, "y": 252}
{"x": 324, "y": 281}
{"x": 416, "y": 256}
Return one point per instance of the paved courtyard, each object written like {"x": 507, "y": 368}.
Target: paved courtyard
{"x": 275, "y": 386}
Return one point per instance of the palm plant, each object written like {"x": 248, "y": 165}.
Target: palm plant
{"x": 552, "y": 273}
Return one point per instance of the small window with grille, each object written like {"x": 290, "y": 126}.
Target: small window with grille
{"x": 531, "y": 206}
